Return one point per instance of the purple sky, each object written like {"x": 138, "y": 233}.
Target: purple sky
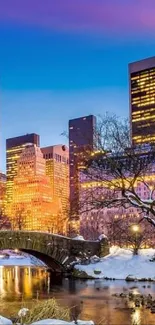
{"x": 81, "y": 15}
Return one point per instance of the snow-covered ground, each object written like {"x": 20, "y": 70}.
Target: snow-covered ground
{"x": 19, "y": 260}
{"x": 121, "y": 263}
{"x": 6, "y": 321}
{"x": 62, "y": 322}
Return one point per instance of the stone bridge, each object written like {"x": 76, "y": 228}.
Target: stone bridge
{"x": 54, "y": 250}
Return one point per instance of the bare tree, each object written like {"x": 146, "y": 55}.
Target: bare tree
{"x": 118, "y": 172}
{"x": 92, "y": 225}
{"x": 18, "y": 221}
{"x": 123, "y": 229}
{"x": 4, "y": 221}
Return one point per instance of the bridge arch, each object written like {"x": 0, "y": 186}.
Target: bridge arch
{"x": 54, "y": 250}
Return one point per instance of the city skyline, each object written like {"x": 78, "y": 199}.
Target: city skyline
{"x": 68, "y": 62}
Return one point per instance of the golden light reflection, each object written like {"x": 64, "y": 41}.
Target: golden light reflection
{"x": 16, "y": 274}
{"x": 136, "y": 317}
{"x": 20, "y": 281}
{"x": 1, "y": 280}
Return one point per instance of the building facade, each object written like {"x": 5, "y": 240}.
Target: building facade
{"x": 81, "y": 139}
{"x": 142, "y": 100}
{"x": 2, "y": 191}
{"x": 32, "y": 205}
{"x": 57, "y": 168}
{"x": 95, "y": 218}
{"x": 14, "y": 147}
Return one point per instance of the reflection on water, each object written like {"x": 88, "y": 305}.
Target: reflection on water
{"x": 17, "y": 281}
{"x": 98, "y": 303}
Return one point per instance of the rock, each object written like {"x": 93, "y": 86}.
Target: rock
{"x": 85, "y": 262}
{"x": 131, "y": 296}
{"x": 97, "y": 272}
{"x": 95, "y": 259}
{"x": 148, "y": 305}
{"x": 131, "y": 278}
{"x": 123, "y": 295}
{"x": 149, "y": 296}
{"x": 117, "y": 295}
{"x": 137, "y": 303}
{"x": 81, "y": 274}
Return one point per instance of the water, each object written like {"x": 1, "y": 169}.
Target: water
{"x": 22, "y": 284}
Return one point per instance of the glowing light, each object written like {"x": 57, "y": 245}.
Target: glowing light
{"x": 135, "y": 228}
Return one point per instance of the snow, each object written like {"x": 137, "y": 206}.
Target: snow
{"x": 78, "y": 238}
{"x": 23, "y": 312}
{"x": 150, "y": 220}
{"x": 16, "y": 262}
{"x": 61, "y": 322}
{"x": 5, "y": 321}
{"x": 102, "y": 237}
{"x": 121, "y": 263}
{"x": 19, "y": 260}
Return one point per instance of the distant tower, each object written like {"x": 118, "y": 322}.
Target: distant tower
{"x": 57, "y": 168}
{"x": 142, "y": 100}
{"x": 81, "y": 139}
{"x": 14, "y": 147}
{"x": 32, "y": 207}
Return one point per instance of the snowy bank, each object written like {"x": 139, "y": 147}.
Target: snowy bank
{"x": 6, "y": 321}
{"x": 19, "y": 260}
{"x": 61, "y": 322}
{"x": 121, "y": 263}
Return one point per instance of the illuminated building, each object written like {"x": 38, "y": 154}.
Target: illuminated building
{"x": 142, "y": 100}
{"x": 2, "y": 191}
{"x": 32, "y": 206}
{"x": 94, "y": 217}
{"x": 81, "y": 139}
{"x": 14, "y": 147}
{"x": 57, "y": 168}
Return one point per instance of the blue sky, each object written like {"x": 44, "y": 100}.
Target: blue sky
{"x": 59, "y": 62}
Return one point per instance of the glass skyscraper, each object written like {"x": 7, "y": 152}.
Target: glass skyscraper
{"x": 142, "y": 101}
{"x": 81, "y": 139}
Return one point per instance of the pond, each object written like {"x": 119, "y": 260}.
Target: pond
{"x": 19, "y": 285}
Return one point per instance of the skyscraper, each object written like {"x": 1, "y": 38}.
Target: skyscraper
{"x": 142, "y": 100}
{"x": 57, "y": 168}
{"x": 32, "y": 206}
{"x": 14, "y": 147}
{"x": 81, "y": 139}
{"x": 2, "y": 191}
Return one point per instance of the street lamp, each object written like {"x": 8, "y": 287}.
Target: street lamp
{"x": 135, "y": 228}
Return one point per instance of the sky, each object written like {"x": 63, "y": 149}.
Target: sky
{"x": 62, "y": 59}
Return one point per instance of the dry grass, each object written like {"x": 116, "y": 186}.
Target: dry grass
{"x": 43, "y": 310}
